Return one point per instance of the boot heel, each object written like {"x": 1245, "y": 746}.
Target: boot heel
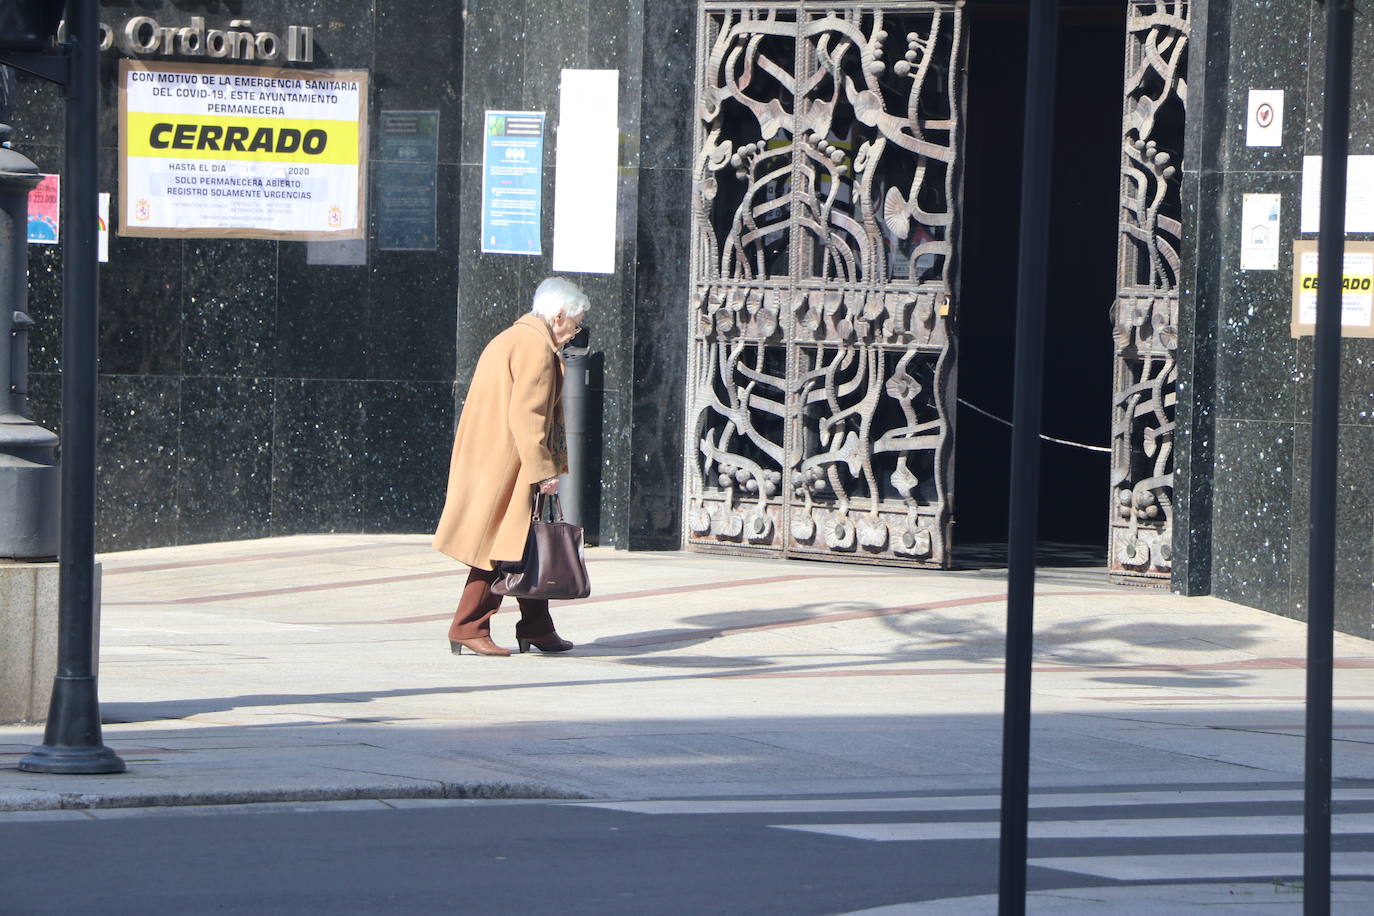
{"x": 545, "y": 644}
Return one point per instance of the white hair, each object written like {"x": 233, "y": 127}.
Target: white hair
{"x": 556, "y": 295}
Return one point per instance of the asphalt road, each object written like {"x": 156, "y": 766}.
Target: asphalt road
{"x": 785, "y": 856}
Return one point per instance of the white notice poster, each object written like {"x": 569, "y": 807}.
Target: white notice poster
{"x": 1357, "y": 300}
{"x": 1259, "y": 234}
{"x": 225, "y": 151}
{"x": 586, "y": 172}
{"x": 1359, "y": 194}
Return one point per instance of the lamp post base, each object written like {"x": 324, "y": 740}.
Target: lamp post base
{"x": 71, "y": 744}
{"x": 72, "y": 761}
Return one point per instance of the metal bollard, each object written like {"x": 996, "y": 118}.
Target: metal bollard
{"x": 577, "y": 365}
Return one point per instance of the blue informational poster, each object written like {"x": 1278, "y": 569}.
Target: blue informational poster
{"x": 512, "y": 182}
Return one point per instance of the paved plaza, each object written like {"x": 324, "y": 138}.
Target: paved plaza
{"x": 315, "y": 670}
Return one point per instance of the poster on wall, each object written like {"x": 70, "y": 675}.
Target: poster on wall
{"x": 226, "y": 151}
{"x": 587, "y": 172}
{"x": 1359, "y": 194}
{"x": 102, "y": 228}
{"x": 1357, "y": 289}
{"x": 45, "y": 211}
{"x": 407, "y": 176}
{"x": 512, "y": 182}
{"x": 1259, "y": 231}
{"x": 1264, "y": 118}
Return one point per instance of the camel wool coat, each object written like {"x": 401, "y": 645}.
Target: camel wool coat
{"x": 502, "y": 446}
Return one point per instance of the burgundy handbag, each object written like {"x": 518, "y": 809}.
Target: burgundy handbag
{"x": 553, "y": 566}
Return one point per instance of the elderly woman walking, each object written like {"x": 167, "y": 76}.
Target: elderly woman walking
{"x": 509, "y": 442}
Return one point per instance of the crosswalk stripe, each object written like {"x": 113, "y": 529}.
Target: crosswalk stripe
{"x": 1264, "y": 866}
{"x": 964, "y": 802}
{"x": 1258, "y": 825}
{"x": 1231, "y": 865}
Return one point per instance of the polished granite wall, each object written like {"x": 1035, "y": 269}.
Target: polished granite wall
{"x": 1245, "y": 384}
{"x": 248, "y": 390}
{"x": 244, "y": 391}
{"x": 514, "y": 52}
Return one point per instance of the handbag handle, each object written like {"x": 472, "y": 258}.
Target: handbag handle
{"x": 549, "y": 501}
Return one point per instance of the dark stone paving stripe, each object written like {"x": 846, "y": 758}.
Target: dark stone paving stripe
{"x": 249, "y": 558}
{"x": 291, "y": 589}
{"x": 623, "y": 596}
{"x": 424, "y": 618}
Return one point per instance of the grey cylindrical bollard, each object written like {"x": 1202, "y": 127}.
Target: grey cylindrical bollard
{"x": 29, "y": 475}
{"x": 572, "y": 492}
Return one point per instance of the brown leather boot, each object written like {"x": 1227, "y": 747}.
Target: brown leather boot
{"x": 477, "y": 645}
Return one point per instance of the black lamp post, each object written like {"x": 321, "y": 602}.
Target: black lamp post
{"x": 72, "y": 742}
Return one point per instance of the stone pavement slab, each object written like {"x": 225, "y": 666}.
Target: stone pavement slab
{"x": 316, "y": 668}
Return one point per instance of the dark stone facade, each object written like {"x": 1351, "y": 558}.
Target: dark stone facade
{"x": 247, "y": 392}
{"x": 514, "y": 53}
{"x": 1246, "y": 385}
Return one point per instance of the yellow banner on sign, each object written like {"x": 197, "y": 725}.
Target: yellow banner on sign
{"x": 185, "y": 136}
{"x": 1350, "y": 283}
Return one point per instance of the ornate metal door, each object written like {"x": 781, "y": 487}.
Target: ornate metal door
{"x": 825, "y": 244}
{"x": 1145, "y": 314}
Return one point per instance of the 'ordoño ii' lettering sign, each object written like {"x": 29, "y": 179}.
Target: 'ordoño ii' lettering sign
{"x": 241, "y": 152}
{"x": 144, "y": 35}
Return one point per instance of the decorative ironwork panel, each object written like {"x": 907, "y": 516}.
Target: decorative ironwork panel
{"x": 1145, "y": 313}
{"x": 825, "y": 205}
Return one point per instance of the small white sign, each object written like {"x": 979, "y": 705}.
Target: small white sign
{"x": 102, "y": 238}
{"x": 1359, "y": 193}
{"x": 1259, "y": 242}
{"x": 1264, "y": 118}
{"x": 586, "y": 176}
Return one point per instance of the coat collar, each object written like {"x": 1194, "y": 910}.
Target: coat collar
{"x": 539, "y": 324}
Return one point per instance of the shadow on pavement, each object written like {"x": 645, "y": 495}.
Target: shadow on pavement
{"x": 958, "y": 644}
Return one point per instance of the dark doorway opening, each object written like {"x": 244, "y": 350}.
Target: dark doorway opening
{"x": 1082, "y": 284}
